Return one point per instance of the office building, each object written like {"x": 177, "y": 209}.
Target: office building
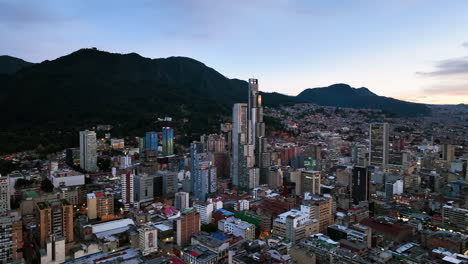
{"x": 168, "y": 141}
{"x": 239, "y": 139}
{"x": 237, "y": 227}
{"x": 62, "y": 178}
{"x": 310, "y": 182}
{"x": 360, "y": 184}
{"x": 448, "y": 152}
{"x": 55, "y": 218}
{"x": 203, "y": 174}
{"x": 170, "y": 181}
{"x": 100, "y": 205}
{"x": 320, "y": 208}
{"x": 151, "y": 141}
{"x": 455, "y": 218}
{"x": 143, "y": 188}
{"x": 186, "y": 225}
{"x": 378, "y": 144}
{"x": 295, "y": 225}
{"x": 11, "y": 244}
{"x": 148, "y": 239}
{"x": 205, "y": 209}
{"x": 181, "y": 201}
{"x": 214, "y": 143}
{"x": 126, "y": 183}
{"x": 257, "y": 126}
{"x": 72, "y": 156}
{"x": 88, "y": 155}
{"x": 4, "y": 195}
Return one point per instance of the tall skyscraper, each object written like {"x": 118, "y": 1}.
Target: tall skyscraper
{"x": 126, "y": 182}
{"x": 360, "y": 186}
{"x": 248, "y": 140}
{"x": 4, "y": 195}
{"x": 257, "y": 126}
{"x": 203, "y": 174}
{"x": 239, "y": 140}
{"x": 151, "y": 141}
{"x": 88, "y": 155}
{"x": 378, "y": 145}
{"x": 168, "y": 140}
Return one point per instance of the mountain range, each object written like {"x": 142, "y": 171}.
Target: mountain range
{"x": 48, "y": 102}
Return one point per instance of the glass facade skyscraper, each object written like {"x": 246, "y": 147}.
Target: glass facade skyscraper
{"x": 168, "y": 141}
{"x": 151, "y": 141}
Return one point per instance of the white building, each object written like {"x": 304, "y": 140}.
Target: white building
{"x": 125, "y": 162}
{"x": 88, "y": 155}
{"x": 205, "y": 209}
{"x": 148, "y": 240}
{"x": 398, "y": 187}
{"x": 237, "y": 227}
{"x": 217, "y": 204}
{"x": 242, "y": 205}
{"x": 67, "y": 178}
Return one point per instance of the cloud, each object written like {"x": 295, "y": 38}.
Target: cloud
{"x": 448, "y": 89}
{"x": 455, "y": 66}
{"x": 465, "y": 44}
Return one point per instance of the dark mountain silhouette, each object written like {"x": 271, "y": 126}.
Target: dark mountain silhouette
{"x": 10, "y": 64}
{"x": 343, "y": 95}
{"x": 90, "y": 87}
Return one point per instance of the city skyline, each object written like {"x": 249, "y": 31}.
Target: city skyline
{"x": 410, "y": 50}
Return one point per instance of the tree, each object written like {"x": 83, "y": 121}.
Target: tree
{"x": 47, "y": 186}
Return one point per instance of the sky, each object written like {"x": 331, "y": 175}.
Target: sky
{"x": 414, "y": 50}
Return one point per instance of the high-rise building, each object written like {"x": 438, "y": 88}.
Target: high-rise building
{"x": 143, "y": 188}
{"x": 100, "y": 205}
{"x": 4, "y": 195}
{"x": 448, "y": 152}
{"x": 127, "y": 182}
{"x": 168, "y": 141}
{"x": 55, "y": 218}
{"x": 239, "y": 140}
{"x": 11, "y": 244}
{"x": 151, "y": 141}
{"x": 214, "y": 142}
{"x": 186, "y": 225}
{"x": 378, "y": 144}
{"x": 205, "y": 209}
{"x": 320, "y": 208}
{"x": 170, "y": 181}
{"x": 181, "y": 201}
{"x": 88, "y": 155}
{"x": 203, "y": 174}
{"x": 360, "y": 186}
{"x": 244, "y": 174}
{"x": 310, "y": 182}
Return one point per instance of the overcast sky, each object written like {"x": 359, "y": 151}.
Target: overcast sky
{"x": 415, "y": 50}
